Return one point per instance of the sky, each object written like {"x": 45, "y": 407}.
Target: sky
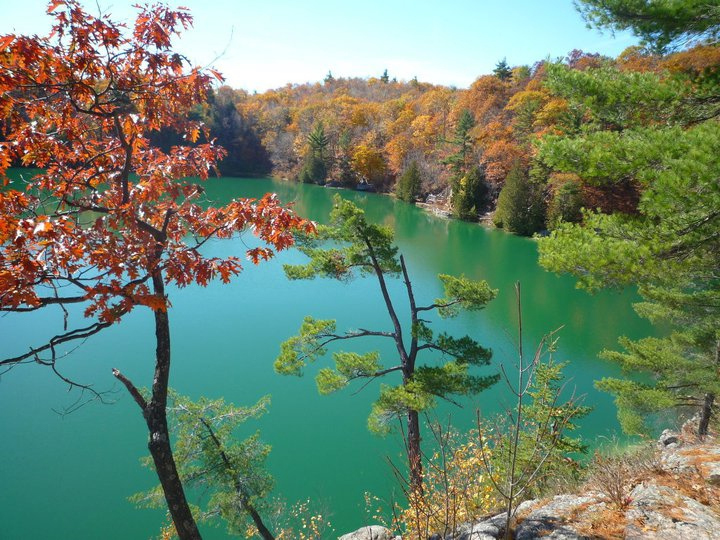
{"x": 263, "y": 44}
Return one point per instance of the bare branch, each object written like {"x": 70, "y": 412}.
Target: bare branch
{"x": 134, "y": 392}
{"x": 79, "y": 333}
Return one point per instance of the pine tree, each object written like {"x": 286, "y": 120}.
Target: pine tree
{"x": 520, "y": 207}
{"x": 459, "y": 161}
{"x": 409, "y": 183}
{"x": 662, "y": 135}
{"x": 470, "y": 196}
{"x": 565, "y": 204}
{"x": 350, "y": 243}
{"x": 502, "y": 70}
{"x": 314, "y": 169}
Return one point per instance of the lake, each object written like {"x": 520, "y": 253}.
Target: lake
{"x": 69, "y": 476}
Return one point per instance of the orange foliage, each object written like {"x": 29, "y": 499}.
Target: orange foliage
{"x": 700, "y": 60}
{"x": 102, "y": 92}
{"x": 500, "y": 156}
{"x": 635, "y": 58}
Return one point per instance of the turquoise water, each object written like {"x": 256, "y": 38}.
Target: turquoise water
{"x": 69, "y": 476}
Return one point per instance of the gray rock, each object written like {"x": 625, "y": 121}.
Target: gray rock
{"x": 676, "y": 463}
{"x": 487, "y": 529}
{"x": 547, "y": 521}
{"x": 659, "y": 512}
{"x": 371, "y": 532}
{"x": 711, "y": 473}
{"x": 668, "y": 437}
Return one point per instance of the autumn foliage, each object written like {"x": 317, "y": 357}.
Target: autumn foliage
{"x": 109, "y": 220}
{"x": 108, "y": 210}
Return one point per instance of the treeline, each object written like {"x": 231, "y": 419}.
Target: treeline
{"x": 471, "y": 149}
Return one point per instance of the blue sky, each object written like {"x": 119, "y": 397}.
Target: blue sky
{"x": 265, "y": 44}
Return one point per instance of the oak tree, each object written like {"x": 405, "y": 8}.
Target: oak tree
{"x": 110, "y": 222}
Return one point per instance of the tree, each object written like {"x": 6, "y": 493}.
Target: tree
{"x": 670, "y": 250}
{"x": 470, "y": 197}
{"x": 232, "y": 473}
{"x": 368, "y": 249}
{"x": 110, "y": 221}
{"x": 315, "y": 168}
{"x": 502, "y": 70}
{"x": 460, "y": 161}
{"x": 661, "y": 25}
{"x": 409, "y": 183}
{"x": 385, "y": 77}
{"x": 520, "y": 207}
{"x": 566, "y": 201}
{"x": 343, "y": 159}
{"x": 662, "y": 142}
{"x": 235, "y": 132}
{"x": 527, "y": 443}
{"x": 369, "y": 163}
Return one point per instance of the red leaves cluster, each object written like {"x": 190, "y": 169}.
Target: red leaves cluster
{"x": 109, "y": 215}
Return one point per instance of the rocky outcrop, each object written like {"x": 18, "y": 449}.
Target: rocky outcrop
{"x": 673, "y": 495}
{"x": 371, "y": 532}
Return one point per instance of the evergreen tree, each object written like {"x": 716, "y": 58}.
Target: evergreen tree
{"x": 409, "y": 183}
{"x": 664, "y": 139}
{"x": 470, "y": 196}
{"x": 231, "y": 473}
{"x": 459, "y": 161}
{"x": 385, "y": 77}
{"x": 314, "y": 170}
{"x": 660, "y": 25}
{"x": 357, "y": 244}
{"x": 520, "y": 207}
{"x": 502, "y": 70}
{"x": 671, "y": 249}
{"x": 343, "y": 159}
{"x": 565, "y": 204}
{"x": 318, "y": 141}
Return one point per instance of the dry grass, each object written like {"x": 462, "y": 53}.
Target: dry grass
{"x": 603, "y": 522}
{"x": 614, "y": 476}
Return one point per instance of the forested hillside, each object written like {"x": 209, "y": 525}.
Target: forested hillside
{"x": 466, "y": 142}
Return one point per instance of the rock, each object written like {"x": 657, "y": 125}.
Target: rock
{"x": 711, "y": 473}
{"x": 708, "y": 464}
{"x": 487, "y": 529}
{"x": 371, "y": 532}
{"x": 667, "y": 438}
{"x": 675, "y": 462}
{"x": 547, "y": 521}
{"x": 660, "y": 512}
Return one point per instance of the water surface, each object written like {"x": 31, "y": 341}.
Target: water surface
{"x": 70, "y": 476}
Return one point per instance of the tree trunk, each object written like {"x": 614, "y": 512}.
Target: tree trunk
{"x": 709, "y": 401}
{"x": 156, "y": 418}
{"x": 242, "y": 495}
{"x": 413, "y": 450}
{"x": 706, "y": 414}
